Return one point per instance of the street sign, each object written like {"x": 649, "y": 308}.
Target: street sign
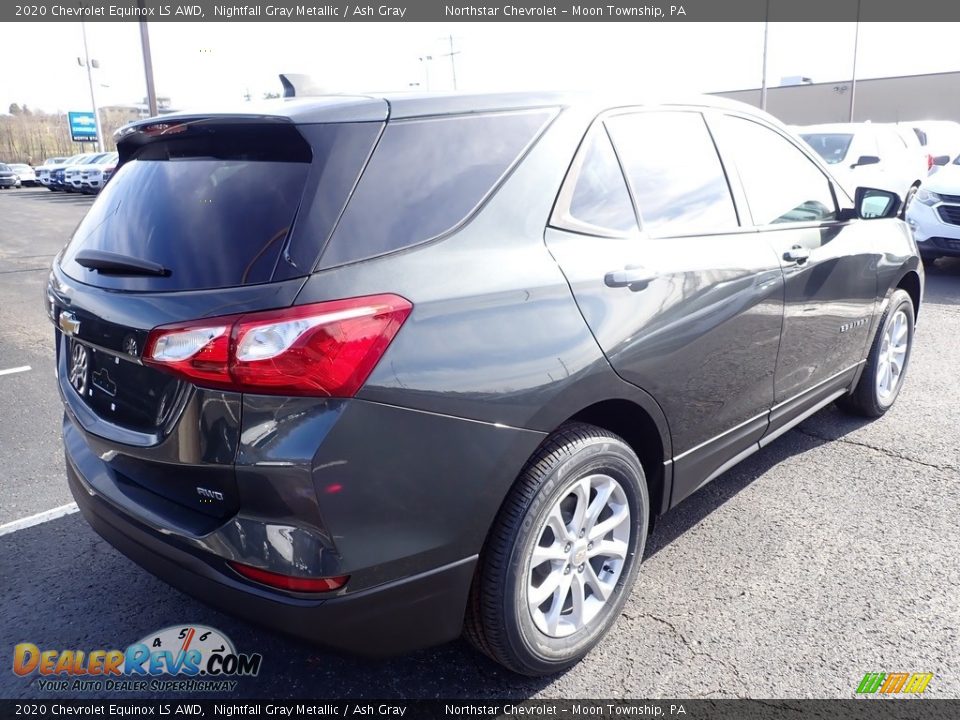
{"x": 83, "y": 126}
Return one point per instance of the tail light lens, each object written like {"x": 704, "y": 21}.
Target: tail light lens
{"x": 930, "y": 162}
{"x": 325, "y": 349}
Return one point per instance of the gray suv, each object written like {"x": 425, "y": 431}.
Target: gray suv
{"x": 379, "y": 371}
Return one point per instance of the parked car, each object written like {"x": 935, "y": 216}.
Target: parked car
{"x": 938, "y": 138}
{"x": 43, "y": 172}
{"x": 914, "y": 144}
{"x": 25, "y": 173}
{"x": 935, "y": 213}
{"x": 868, "y": 154}
{"x": 72, "y": 174}
{"x": 505, "y": 333}
{"x": 55, "y": 173}
{"x": 94, "y": 176}
{"x": 8, "y": 178}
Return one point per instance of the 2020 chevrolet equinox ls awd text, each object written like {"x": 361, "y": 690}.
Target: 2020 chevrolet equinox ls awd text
{"x": 377, "y": 371}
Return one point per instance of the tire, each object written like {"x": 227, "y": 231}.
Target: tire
{"x": 543, "y": 639}
{"x": 872, "y": 397}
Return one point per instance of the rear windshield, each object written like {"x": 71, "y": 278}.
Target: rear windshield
{"x": 832, "y": 147}
{"x": 212, "y": 204}
{"x": 427, "y": 176}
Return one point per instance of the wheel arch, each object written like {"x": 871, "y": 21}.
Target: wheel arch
{"x": 910, "y": 282}
{"x": 641, "y": 432}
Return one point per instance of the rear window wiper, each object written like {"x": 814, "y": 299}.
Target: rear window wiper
{"x": 108, "y": 263}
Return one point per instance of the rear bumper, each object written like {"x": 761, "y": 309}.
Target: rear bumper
{"x": 419, "y": 611}
{"x": 399, "y": 500}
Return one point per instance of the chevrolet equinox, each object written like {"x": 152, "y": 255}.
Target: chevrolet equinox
{"x": 379, "y": 371}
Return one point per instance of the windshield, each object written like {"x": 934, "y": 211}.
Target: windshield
{"x": 4, "y": 168}
{"x": 832, "y": 147}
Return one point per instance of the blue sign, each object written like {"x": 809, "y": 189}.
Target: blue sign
{"x": 83, "y": 126}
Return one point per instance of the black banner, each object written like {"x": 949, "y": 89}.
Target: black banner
{"x": 872, "y": 709}
{"x": 483, "y": 10}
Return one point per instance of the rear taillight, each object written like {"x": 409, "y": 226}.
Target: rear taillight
{"x": 326, "y": 349}
{"x": 930, "y": 162}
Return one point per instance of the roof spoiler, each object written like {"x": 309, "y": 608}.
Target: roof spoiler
{"x": 299, "y": 85}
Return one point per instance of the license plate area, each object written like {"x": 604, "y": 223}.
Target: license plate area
{"x": 121, "y": 391}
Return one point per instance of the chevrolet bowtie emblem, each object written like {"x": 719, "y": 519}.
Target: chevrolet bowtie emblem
{"x": 69, "y": 324}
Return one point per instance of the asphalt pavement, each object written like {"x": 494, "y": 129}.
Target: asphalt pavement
{"x": 831, "y": 553}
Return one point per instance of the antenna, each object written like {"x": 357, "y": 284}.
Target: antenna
{"x": 299, "y": 85}
{"x": 453, "y": 64}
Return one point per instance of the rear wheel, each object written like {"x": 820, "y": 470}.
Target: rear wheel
{"x": 887, "y": 362}
{"x": 563, "y": 553}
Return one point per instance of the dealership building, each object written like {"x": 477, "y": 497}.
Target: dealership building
{"x": 799, "y": 101}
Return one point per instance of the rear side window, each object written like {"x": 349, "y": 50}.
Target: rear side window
{"x": 675, "y": 173}
{"x": 426, "y": 177}
{"x": 212, "y": 204}
{"x": 595, "y": 199}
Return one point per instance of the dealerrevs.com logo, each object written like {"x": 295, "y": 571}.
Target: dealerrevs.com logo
{"x": 188, "y": 658}
{"x": 897, "y": 683}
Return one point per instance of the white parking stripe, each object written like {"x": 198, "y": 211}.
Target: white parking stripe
{"x": 45, "y": 516}
{"x": 11, "y": 371}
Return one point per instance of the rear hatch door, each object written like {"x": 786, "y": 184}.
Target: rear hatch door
{"x": 195, "y": 223}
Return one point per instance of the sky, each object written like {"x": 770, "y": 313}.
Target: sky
{"x": 216, "y": 64}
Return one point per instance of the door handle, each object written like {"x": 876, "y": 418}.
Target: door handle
{"x": 629, "y": 276}
{"x": 797, "y": 254}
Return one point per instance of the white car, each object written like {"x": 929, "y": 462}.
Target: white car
{"x": 26, "y": 174}
{"x": 72, "y": 173}
{"x": 934, "y": 213}
{"x": 868, "y": 155}
{"x": 94, "y": 176}
{"x": 938, "y": 138}
{"x": 43, "y": 172}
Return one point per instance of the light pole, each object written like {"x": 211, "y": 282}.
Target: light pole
{"x": 853, "y": 73}
{"x": 763, "y": 81}
{"x": 148, "y": 65}
{"x": 90, "y": 64}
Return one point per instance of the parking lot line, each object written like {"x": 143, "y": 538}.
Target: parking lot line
{"x": 11, "y": 371}
{"x": 42, "y": 517}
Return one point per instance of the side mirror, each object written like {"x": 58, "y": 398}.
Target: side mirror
{"x": 941, "y": 160}
{"x": 866, "y": 160}
{"x": 872, "y": 204}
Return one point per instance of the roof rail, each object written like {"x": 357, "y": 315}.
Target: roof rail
{"x": 299, "y": 85}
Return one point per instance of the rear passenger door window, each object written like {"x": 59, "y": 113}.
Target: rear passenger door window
{"x": 781, "y": 183}
{"x": 674, "y": 172}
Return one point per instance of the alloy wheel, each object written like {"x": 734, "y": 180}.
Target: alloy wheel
{"x": 581, "y": 551}
{"x": 893, "y": 356}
